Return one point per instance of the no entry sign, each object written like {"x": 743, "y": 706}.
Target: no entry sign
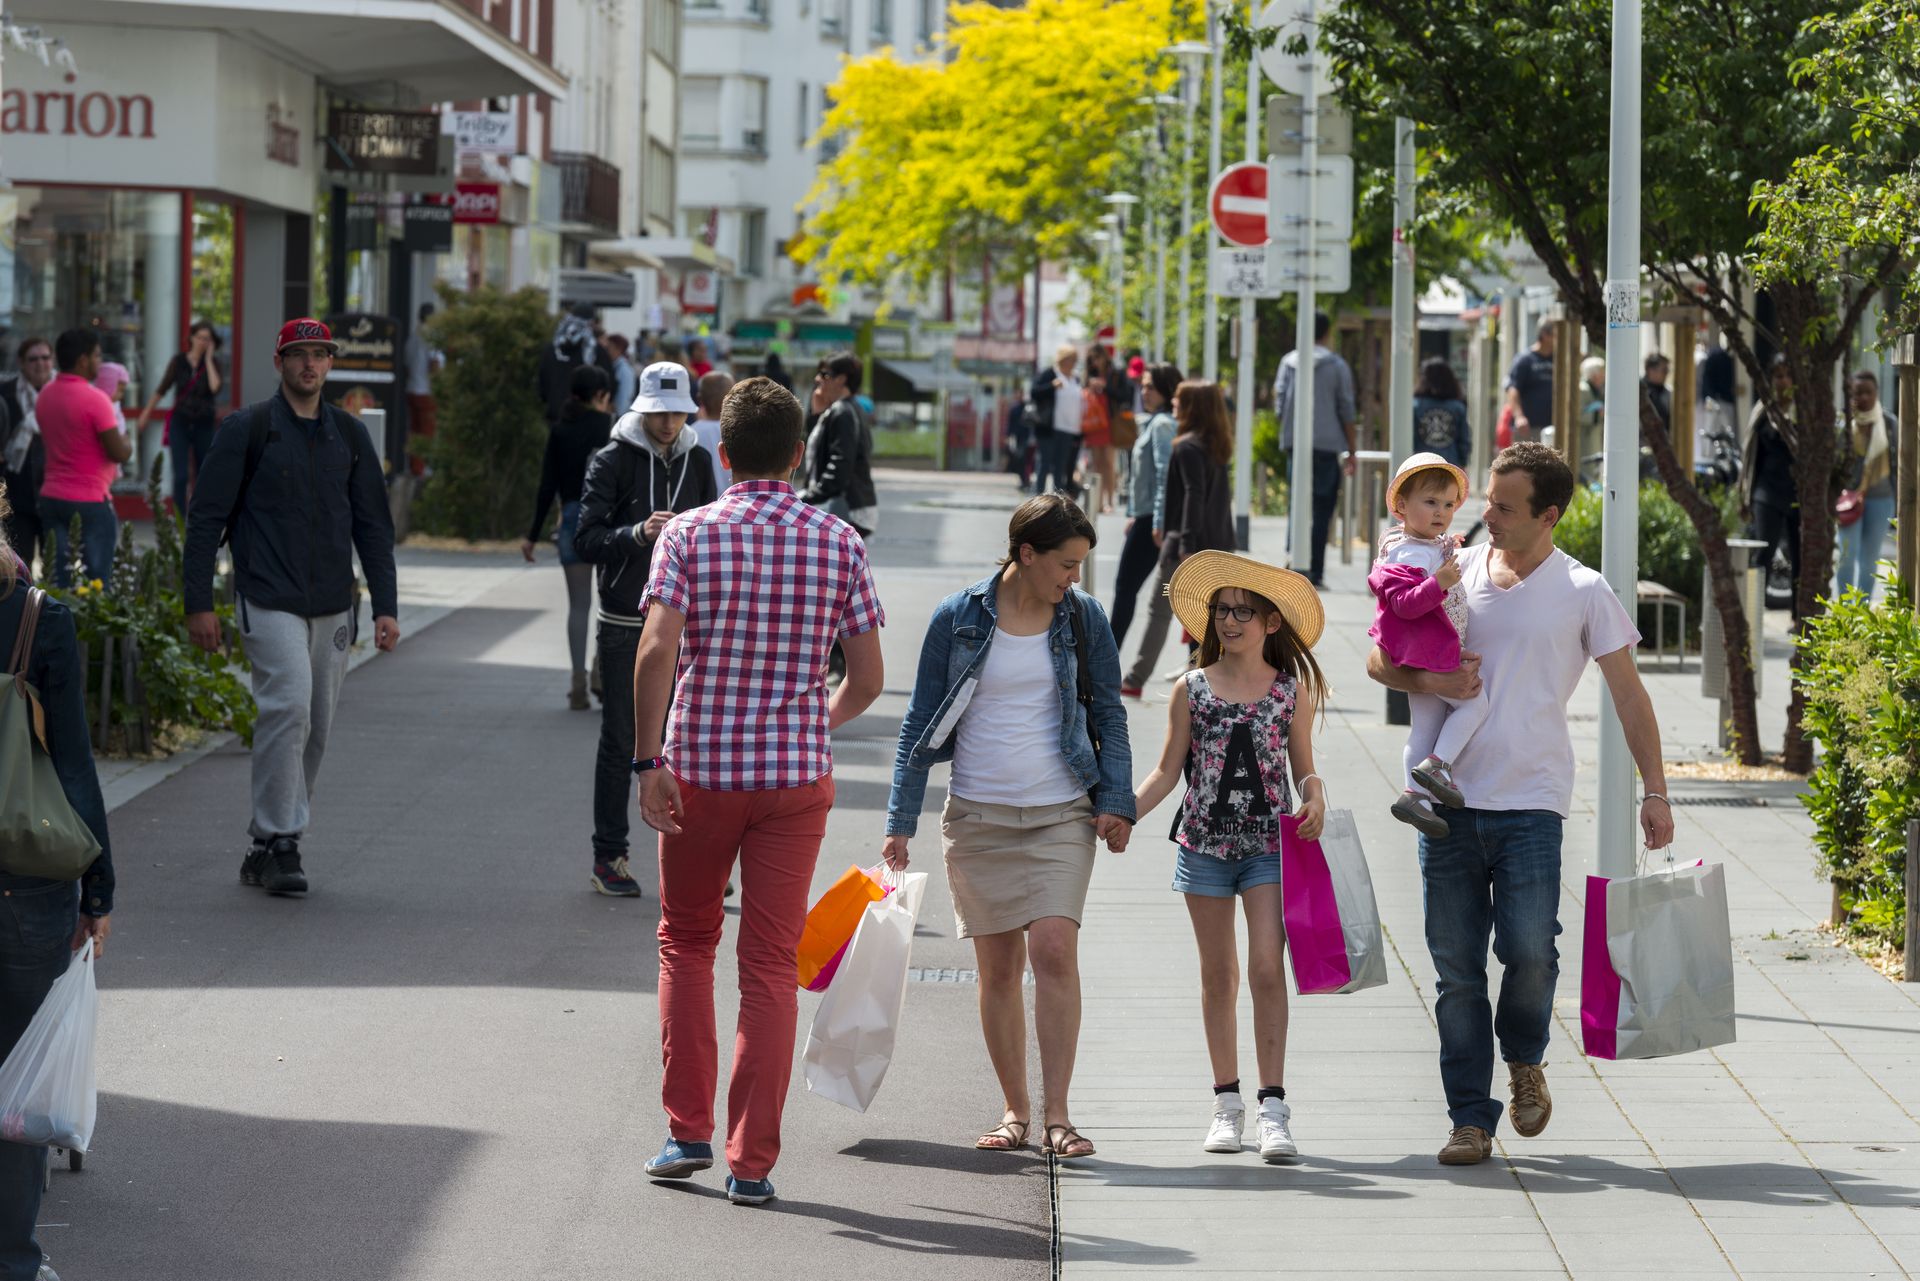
{"x": 1238, "y": 203}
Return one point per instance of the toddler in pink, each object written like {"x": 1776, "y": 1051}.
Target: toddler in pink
{"x": 1420, "y": 620}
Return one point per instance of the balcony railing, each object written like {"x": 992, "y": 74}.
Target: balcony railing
{"x": 589, "y": 191}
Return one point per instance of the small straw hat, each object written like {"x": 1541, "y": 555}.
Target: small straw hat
{"x": 1417, "y": 463}
{"x": 1202, "y": 574}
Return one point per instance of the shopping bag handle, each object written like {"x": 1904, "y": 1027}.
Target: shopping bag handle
{"x": 1326, "y": 793}
{"x": 884, "y": 875}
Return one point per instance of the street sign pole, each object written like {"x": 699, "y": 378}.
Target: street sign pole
{"x": 1300, "y": 486}
{"x": 1620, "y": 505}
{"x": 1400, "y": 395}
{"x": 1249, "y": 345}
{"x": 1210, "y": 317}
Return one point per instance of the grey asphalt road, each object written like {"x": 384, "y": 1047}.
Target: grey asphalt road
{"x": 443, "y": 1063}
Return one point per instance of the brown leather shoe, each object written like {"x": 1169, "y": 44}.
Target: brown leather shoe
{"x": 1532, "y": 1106}
{"x": 1466, "y": 1145}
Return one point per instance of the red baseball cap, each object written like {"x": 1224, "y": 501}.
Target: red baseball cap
{"x": 305, "y": 331}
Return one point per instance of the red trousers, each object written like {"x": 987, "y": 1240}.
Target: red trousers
{"x": 776, "y": 836}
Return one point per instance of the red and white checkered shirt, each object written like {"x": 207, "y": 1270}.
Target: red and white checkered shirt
{"x": 767, "y": 584}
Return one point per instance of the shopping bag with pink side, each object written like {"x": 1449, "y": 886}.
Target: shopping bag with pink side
{"x": 1656, "y": 972}
{"x": 850, "y": 1045}
{"x": 1333, "y": 924}
{"x": 831, "y": 922}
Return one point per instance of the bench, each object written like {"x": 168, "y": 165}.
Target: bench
{"x": 1662, "y": 598}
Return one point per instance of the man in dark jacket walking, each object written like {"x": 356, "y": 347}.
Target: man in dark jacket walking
{"x": 653, "y": 468}
{"x": 839, "y": 454}
{"x": 296, "y": 484}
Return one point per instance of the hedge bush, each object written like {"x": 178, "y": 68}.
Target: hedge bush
{"x": 1669, "y": 545}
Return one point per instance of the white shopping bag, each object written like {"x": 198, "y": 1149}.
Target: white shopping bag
{"x": 1657, "y": 969}
{"x": 851, "y": 1043}
{"x": 47, "y": 1095}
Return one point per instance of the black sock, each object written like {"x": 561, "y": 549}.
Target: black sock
{"x": 1271, "y": 1092}
{"x": 1231, "y": 1087}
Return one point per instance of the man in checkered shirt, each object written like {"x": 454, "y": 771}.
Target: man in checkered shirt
{"x": 746, "y": 599}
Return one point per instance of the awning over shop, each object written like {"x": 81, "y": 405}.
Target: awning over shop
{"x": 600, "y": 288}
{"x": 632, "y": 251}
{"x": 898, "y": 380}
{"x": 378, "y": 52}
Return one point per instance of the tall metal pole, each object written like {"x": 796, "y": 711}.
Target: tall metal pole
{"x": 1210, "y": 321}
{"x": 1187, "y": 95}
{"x": 1249, "y": 346}
{"x": 1620, "y": 505}
{"x": 1300, "y": 487}
{"x": 1400, "y": 380}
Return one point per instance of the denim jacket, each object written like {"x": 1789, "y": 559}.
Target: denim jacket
{"x": 956, "y": 648}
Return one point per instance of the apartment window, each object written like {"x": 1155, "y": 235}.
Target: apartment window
{"x": 700, "y": 111}
{"x": 663, "y": 30}
{"x": 882, "y": 20}
{"x": 753, "y": 242}
{"x": 803, "y": 118}
{"x": 753, "y": 115}
{"x": 659, "y": 175}
{"x": 698, "y": 222}
{"x": 833, "y": 18}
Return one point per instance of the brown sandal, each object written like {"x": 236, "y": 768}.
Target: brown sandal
{"x": 1061, "y": 1148}
{"x": 1004, "y": 1130}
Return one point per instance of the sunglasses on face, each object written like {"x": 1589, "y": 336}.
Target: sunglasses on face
{"x": 1238, "y": 613}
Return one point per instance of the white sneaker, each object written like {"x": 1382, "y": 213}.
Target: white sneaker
{"x": 1276, "y": 1140}
{"x": 1229, "y": 1122}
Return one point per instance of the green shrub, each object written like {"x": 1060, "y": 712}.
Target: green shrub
{"x": 491, "y": 431}
{"x": 1669, "y": 545}
{"x": 1862, "y": 686}
{"x": 1269, "y": 499}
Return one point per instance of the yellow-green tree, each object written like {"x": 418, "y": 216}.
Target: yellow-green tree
{"x": 1006, "y": 145}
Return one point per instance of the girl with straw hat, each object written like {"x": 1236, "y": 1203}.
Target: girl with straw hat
{"x": 1237, "y": 722}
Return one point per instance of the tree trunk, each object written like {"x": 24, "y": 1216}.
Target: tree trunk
{"x": 1802, "y": 314}
{"x": 1724, "y": 586}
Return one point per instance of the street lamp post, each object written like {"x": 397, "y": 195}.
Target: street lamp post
{"x": 1210, "y": 324}
{"x": 1120, "y": 202}
{"x": 1192, "y": 55}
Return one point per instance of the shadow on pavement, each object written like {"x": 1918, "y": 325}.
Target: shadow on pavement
{"x": 921, "y": 1154}
{"x": 915, "y": 1230}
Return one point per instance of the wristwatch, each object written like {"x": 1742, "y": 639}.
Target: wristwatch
{"x": 652, "y": 762}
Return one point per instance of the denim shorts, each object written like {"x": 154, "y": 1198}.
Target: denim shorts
{"x": 1221, "y": 877}
{"x": 568, "y": 531}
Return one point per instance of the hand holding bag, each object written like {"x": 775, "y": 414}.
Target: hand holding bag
{"x": 47, "y": 1095}
{"x": 831, "y": 922}
{"x": 850, "y": 1045}
{"x": 1326, "y": 895}
{"x": 40, "y": 835}
{"x": 1657, "y": 963}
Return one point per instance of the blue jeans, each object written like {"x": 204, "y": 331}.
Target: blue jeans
{"x": 1497, "y": 874}
{"x": 99, "y": 531}
{"x": 37, "y": 920}
{"x": 1138, "y": 555}
{"x": 189, "y": 441}
{"x": 1059, "y": 453}
{"x": 1860, "y": 545}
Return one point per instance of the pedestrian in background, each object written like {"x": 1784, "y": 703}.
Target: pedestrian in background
{"x": 626, "y": 380}
{"x": 1876, "y": 464}
{"x": 86, "y": 444}
{"x": 1715, "y": 422}
{"x": 1196, "y": 509}
{"x": 839, "y": 454}
{"x": 745, "y": 770}
{"x": 697, "y": 361}
{"x": 586, "y": 422}
{"x": 1237, "y": 726}
{"x": 1019, "y": 436}
{"x": 297, "y": 484}
{"x": 1334, "y": 440}
{"x": 572, "y": 346}
{"x": 775, "y": 369}
{"x": 1440, "y": 423}
{"x": 196, "y": 380}
{"x": 46, "y": 922}
{"x": 1769, "y": 494}
{"x": 423, "y": 359}
{"x": 1529, "y": 392}
{"x": 652, "y": 468}
{"x": 712, "y": 394}
{"x": 25, "y": 454}
{"x": 1593, "y": 407}
{"x": 1038, "y": 775}
{"x": 1056, "y": 404}
{"x": 1146, "y": 496}
{"x": 1105, "y": 393}
{"x": 1653, "y": 383}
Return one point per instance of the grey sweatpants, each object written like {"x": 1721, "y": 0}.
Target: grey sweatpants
{"x": 298, "y": 664}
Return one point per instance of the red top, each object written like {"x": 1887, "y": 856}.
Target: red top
{"x": 72, "y": 413}
{"x": 767, "y": 584}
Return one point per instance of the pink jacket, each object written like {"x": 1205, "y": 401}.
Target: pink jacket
{"x": 1408, "y": 621}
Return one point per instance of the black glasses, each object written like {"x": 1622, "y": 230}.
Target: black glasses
{"x": 1238, "y": 613}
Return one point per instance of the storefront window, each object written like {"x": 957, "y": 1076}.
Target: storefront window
{"x": 88, "y": 256}
{"x": 213, "y": 255}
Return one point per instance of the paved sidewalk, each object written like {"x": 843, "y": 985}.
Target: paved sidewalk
{"x": 1795, "y": 1152}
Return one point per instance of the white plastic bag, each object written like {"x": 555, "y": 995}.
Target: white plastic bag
{"x": 851, "y": 1043}
{"x": 47, "y": 1095}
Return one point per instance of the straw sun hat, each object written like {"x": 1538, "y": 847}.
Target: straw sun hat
{"x": 1202, "y": 574}
{"x": 1417, "y": 463}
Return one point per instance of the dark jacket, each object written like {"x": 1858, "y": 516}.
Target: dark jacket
{"x": 1041, "y": 395}
{"x": 627, "y": 482}
{"x": 317, "y": 497}
{"x": 23, "y": 487}
{"x": 581, "y": 433}
{"x": 54, "y": 671}
{"x": 839, "y": 458}
{"x": 1199, "y": 514}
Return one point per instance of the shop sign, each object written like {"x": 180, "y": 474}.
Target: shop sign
{"x": 700, "y": 291}
{"x": 363, "y": 225}
{"x": 402, "y": 142}
{"x": 283, "y": 137}
{"x": 973, "y": 349}
{"x": 491, "y": 132}
{"x": 68, "y": 114}
{"x": 366, "y": 368}
{"x": 476, "y": 203}
{"x": 429, "y": 228}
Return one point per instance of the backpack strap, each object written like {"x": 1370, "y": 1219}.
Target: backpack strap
{"x": 23, "y": 639}
{"x": 259, "y": 421}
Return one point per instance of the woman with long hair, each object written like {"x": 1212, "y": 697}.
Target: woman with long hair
{"x": 1197, "y": 511}
{"x": 1041, "y": 768}
{"x": 196, "y": 381}
{"x": 582, "y": 430}
{"x": 1148, "y": 488}
{"x": 1440, "y": 413}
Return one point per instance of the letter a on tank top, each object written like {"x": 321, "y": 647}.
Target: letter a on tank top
{"x": 1241, "y": 773}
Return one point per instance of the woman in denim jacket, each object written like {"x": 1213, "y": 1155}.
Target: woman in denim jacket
{"x": 998, "y": 695}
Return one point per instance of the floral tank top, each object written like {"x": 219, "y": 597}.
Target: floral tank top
{"x": 1236, "y": 771}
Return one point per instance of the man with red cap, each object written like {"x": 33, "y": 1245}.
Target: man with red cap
{"x": 296, "y": 486}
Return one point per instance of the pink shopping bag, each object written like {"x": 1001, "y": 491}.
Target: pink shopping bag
{"x": 1315, "y": 939}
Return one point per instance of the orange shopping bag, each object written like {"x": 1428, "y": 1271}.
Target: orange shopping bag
{"x": 833, "y": 919}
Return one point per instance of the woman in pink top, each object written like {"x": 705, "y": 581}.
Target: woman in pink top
{"x": 85, "y": 447}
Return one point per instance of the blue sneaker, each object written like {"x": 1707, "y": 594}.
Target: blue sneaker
{"x": 678, "y": 1160}
{"x": 749, "y": 1191}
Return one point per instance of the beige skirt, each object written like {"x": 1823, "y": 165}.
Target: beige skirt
{"x": 1010, "y": 865}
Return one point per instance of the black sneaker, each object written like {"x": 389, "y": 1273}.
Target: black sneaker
{"x": 613, "y": 878}
{"x": 280, "y": 872}
{"x": 253, "y": 863}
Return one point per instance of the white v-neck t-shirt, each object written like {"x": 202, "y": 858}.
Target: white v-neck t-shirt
{"x": 1006, "y": 750}
{"x": 1535, "y": 640}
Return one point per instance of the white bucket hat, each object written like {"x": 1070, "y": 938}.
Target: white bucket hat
{"x": 665, "y": 388}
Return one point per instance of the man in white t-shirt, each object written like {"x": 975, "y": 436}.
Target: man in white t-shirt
{"x": 1535, "y": 618}
{"x": 711, "y": 391}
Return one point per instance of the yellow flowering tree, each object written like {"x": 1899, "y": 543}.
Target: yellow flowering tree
{"x": 1006, "y": 144}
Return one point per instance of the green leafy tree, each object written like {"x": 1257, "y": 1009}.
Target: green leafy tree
{"x": 485, "y": 452}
